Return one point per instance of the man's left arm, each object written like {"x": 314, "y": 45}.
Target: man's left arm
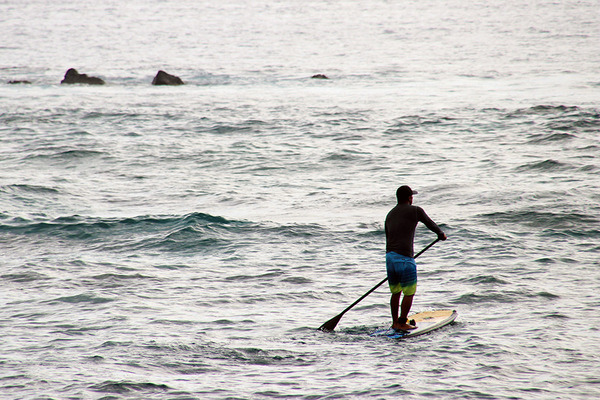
{"x": 424, "y": 218}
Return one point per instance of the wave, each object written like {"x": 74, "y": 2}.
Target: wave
{"x": 570, "y": 120}
{"x": 63, "y": 154}
{"x": 74, "y": 222}
{"x": 123, "y": 233}
{"x": 487, "y": 280}
{"x": 541, "y": 124}
{"x": 19, "y": 188}
{"x": 343, "y": 157}
{"x": 247, "y": 126}
{"x": 544, "y": 166}
{"x": 551, "y": 138}
{"x": 28, "y": 276}
{"x": 187, "y": 233}
{"x": 411, "y": 122}
{"x": 544, "y": 109}
{"x": 81, "y": 298}
{"x": 505, "y": 297}
{"x": 487, "y": 297}
{"x": 566, "y": 222}
{"x": 127, "y": 387}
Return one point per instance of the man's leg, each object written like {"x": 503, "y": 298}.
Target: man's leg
{"x": 394, "y": 305}
{"x": 406, "y": 305}
{"x": 402, "y": 322}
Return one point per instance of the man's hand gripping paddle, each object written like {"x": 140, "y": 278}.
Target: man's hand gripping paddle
{"x": 330, "y": 325}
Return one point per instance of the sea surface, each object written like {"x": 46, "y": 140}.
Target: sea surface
{"x": 187, "y": 242}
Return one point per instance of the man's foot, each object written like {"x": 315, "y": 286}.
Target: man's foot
{"x": 403, "y": 327}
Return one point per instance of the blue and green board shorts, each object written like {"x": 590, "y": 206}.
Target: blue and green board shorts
{"x": 402, "y": 273}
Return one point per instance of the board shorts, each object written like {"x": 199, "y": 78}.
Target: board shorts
{"x": 402, "y": 273}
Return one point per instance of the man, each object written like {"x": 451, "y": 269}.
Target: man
{"x": 400, "y": 225}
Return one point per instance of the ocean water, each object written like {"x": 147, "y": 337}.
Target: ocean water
{"x": 186, "y": 242}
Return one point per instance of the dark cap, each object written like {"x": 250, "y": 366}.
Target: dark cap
{"x": 404, "y": 192}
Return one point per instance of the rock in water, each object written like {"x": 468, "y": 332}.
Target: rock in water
{"x": 72, "y": 76}
{"x": 162, "y": 78}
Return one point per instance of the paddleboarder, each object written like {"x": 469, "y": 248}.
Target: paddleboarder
{"x": 400, "y": 226}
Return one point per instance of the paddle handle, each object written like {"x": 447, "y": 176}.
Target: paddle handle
{"x": 426, "y": 248}
{"x": 363, "y": 296}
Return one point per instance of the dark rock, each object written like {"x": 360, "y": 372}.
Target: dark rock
{"x": 319, "y": 76}
{"x": 72, "y": 76}
{"x": 162, "y": 78}
{"x": 19, "y": 83}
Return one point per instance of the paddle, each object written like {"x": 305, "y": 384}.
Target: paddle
{"x": 330, "y": 325}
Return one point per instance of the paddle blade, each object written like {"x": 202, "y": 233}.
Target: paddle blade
{"x": 329, "y": 326}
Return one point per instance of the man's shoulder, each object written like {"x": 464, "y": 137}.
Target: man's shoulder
{"x": 405, "y": 210}
{"x": 395, "y": 209}
{"x": 412, "y": 208}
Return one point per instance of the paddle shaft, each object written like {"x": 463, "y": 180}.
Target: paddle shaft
{"x": 333, "y": 322}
